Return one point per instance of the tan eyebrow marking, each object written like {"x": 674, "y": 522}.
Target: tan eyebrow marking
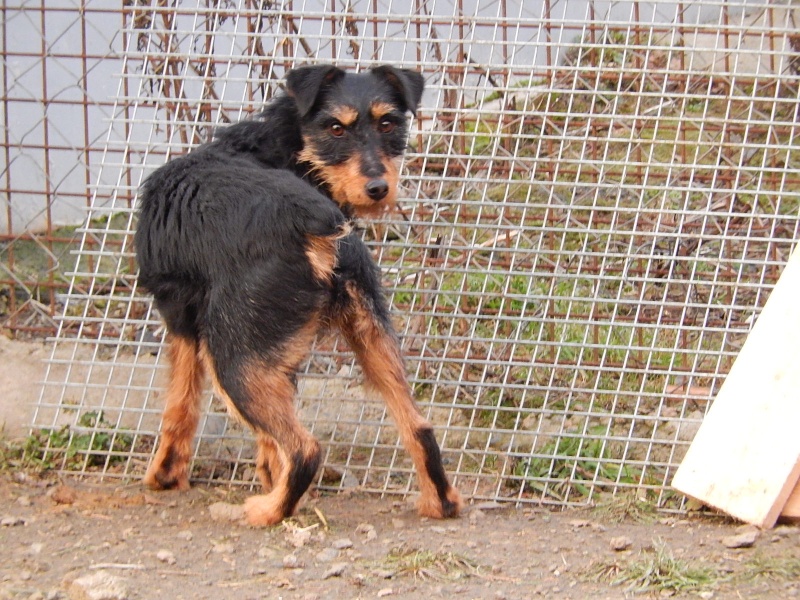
{"x": 381, "y": 109}
{"x": 346, "y": 115}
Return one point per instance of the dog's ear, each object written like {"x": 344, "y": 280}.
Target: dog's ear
{"x": 305, "y": 84}
{"x": 407, "y": 84}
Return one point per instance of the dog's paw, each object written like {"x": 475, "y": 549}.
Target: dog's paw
{"x": 263, "y": 510}
{"x": 158, "y": 478}
{"x": 434, "y": 507}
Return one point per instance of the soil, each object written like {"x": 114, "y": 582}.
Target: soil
{"x": 65, "y": 538}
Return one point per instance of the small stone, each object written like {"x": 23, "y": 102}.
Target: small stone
{"x": 299, "y": 537}
{"x": 63, "y": 494}
{"x": 385, "y": 592}
{"x": 368, "y": 531}
{"x": 98, "y": 586}
{"x": 335, "y": 570}
{"x": 620, "y": 543}
{"x": 384, "y": 573}
{"x": 580, "y": 523}
{"x": 706, "y": 595}
{"x": 342, "y": 544}
{"x": 223, "y": 548}
{"x": 290, "y": 561}
{"x": 184, "y": 535}
{"x": 24, "y": 501}
{"x": 223, "y": 511}
{"x": 328, "y": 555}
{"x": 166, "y": 556}
{"x": 745, "y": 539}
{"x": 11, "y": 521}
{"x": 475, "y": 515}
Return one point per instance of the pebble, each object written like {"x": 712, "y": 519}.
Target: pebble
{"x": 746, "y": 538}
{"x": 342, "y": 544}
{"x": 185, "y": 535}
{"x": 11, "y": 521}
{"x": 475, "y": 515}
{"x": 335, "y": 570}
{"x": 299, "y": 537}
{"x": 166, "y": 556}
{"x": 368, "y": 531}
{"x": 620, "y": 543}
{"x": 385, "y": 592}
{"x": 223, "y": 511}
{"x": 384, "y": 573}
{"x": 290, "y": 561}
{"x": 328, "y": 555}
{"x": 24, "y": 501}
{"x": 224, "y": 548}
{"x": 98, "y": 586}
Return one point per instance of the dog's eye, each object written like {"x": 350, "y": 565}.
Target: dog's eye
{"x": 337, "y": 129}
{"x": 386, "y": 126}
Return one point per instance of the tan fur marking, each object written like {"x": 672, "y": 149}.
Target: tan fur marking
{"x": 348, "y": 185}
{"x": 269, "y": 464}
{"x": 380, "y": 358}
{"x": 346, "y": 115}
{"x": 322, "y": 253}
{"x": 181, "y": 415}
{"x": 378, "y": 110}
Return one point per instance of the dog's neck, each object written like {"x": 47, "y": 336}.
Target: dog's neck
{"x": 274, "y": 140}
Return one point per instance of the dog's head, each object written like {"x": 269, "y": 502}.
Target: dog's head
{"x": 354, "y": 130}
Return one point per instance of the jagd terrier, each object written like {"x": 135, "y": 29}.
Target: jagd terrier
{"x": 247, "y": 246}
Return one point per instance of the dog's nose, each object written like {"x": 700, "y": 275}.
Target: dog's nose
{"x": 377, "y": 189}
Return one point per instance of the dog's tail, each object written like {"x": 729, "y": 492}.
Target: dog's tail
{"x": 322, "y": 251}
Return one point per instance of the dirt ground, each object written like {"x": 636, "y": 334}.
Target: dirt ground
{"x": 62, "y": 538}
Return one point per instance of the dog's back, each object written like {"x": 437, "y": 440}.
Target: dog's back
{"x": 215, "y": 216}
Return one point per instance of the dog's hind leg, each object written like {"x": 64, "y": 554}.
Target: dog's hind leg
{"x": 378, "y": 352}
{"x": 268, "y": 461}
{"x": 170, "y": 466}
{"x": 260, "y": 391}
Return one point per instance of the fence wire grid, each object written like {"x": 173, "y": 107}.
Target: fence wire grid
{"x": 598, "y": 198}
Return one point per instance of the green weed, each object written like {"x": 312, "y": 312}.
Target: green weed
{"x": 657, "y": 570}
{"x": 91, "y": 443}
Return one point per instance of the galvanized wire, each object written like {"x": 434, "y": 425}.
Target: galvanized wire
{"x": 598, "y": 198}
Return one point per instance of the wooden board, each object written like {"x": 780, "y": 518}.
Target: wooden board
{"x": 791, "y": 509}
{"x": 745, "y": 458}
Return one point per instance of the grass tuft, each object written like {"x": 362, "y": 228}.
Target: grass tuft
{"x": 425, "y": 564}
{"x": 657, "y": 570}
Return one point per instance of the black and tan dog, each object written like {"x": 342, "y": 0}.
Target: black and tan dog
{"x": 246, "y": 245}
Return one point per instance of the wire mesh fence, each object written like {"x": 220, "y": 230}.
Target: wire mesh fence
{"x": 598, "y": 198}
